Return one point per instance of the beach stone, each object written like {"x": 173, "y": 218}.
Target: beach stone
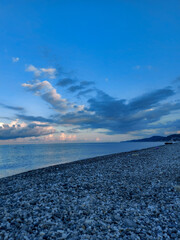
{"x": 117, "y": 218}
{"x": 129, "y": 223}
{"x": 121, "y": 196}
{"x": 173, "y": 235}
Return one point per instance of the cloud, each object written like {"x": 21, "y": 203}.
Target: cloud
{"x": 49, "y": 94}
{"x": 65, "y": 137}
{"x": 85, "y": 92}
{"x": 33, "y": 69}
{"x": 176, "y": 81}
{"x": 12, "y": 107}
{"x": 137, "y": 67}
{"x": 75, "y": 88}
{"x": 105, "y": 113}
{"x": 43, "y": 72}
{"x": 65, "y": 82}
{"x": 35, "y": 119}
{"x": 15, "y": 59}
{"x": 102, "y": 112}
{"x": 16, "y": 130}
{"x": 7, "y": 118}
{"x": 49, "y": 72}
{"x": 118, "y": 116}
{"x": 149, "y": 100}
{"x": 60, "y": 137}
{"x": 82, "y": 85}
{"x": 86, "y": 83}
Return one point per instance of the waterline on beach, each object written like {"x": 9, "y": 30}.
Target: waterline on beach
{"x": 15, "y": 159}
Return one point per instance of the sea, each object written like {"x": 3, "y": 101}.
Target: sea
{"x": 16, "y": 159}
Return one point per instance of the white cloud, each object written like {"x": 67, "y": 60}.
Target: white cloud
{"x": 49, "y": 72}
{"x": 80, "y": 108}
{"x": 49, "y": 94}
{"x": 37, "y": 86}
{"x": 33, "y": 69}
{"x": 44, "y": 72}
{"x": 15, "y": 59}
{"x": 65, "y": 137}
{"x": 16, "y": 130}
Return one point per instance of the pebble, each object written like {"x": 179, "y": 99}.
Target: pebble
{"x": 121, "y": 196}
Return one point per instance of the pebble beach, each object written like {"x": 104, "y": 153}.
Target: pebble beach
{"x": 132, "y": 195}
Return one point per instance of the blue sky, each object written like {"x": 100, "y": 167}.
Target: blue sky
{"x": 88, "y": 70}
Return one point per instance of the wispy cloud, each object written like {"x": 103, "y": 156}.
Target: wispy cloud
{"x": 85, "y": 92}
{"x": 12, "y": 107}
{"x": 146, "y": 67}
{"x": 66, "y": 82}
{"x": 36, "y": 118}
{"x": 44, "y": 72}
{"x": 15, "y": 59}
{"x": 176, "y": 81}
{"x": 81, "y": 86}
{"x": 137, "y": 67}
{"x": 150, "y": 99}
{"x": 49, "y": 94}
{"x": 49, "y": 72}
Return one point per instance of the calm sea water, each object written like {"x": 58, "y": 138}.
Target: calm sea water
{"x": 20, "y": 158}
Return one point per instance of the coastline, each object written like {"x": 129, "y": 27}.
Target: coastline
{"x": 84, "y": 160}
{"x": 130, "y": 195}
{"x": 23, "y": 158}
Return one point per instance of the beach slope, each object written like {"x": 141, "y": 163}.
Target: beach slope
{"x": 132, "y": 195}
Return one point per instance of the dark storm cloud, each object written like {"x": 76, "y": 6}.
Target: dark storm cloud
{"x": 8, "y": 132}
{"x": 12, "y": 107}
{"x": 66, "y": 82}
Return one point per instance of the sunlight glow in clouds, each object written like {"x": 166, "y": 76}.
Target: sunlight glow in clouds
{"x": 22, "y": 130}
{"x": 49, "y": 94}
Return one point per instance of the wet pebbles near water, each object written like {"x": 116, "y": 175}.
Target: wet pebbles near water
{"x": 132, "y": 195}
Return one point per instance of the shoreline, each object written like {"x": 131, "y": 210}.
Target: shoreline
{"x": 85, "y": 160}
{"x": 129, "y": 195}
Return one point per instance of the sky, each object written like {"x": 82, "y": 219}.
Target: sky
{"x": 88, "y": 71}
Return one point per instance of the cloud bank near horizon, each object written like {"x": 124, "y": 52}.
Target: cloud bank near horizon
{"x": 16, "y": 130}
{"x": 100, "y": 112}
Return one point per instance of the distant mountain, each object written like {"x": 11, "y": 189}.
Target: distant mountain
{"x": 175, "y": 137}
